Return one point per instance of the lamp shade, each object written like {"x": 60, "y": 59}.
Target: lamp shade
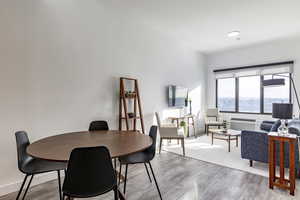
{"x": 282, "y": 110}
{"x": 274, "y": 82}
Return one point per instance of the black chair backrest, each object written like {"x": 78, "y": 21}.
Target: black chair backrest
{"x": 90, "y": 173}
{"x": 98, "y": 126}
{"x": 153, "y": 134}
{"x": 22, "y": 142}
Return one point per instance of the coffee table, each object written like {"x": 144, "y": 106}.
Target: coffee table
{"x": 227, "y": 135}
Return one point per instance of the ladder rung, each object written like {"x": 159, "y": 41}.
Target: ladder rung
{"x": 131, "y": 118}
{"x": 129, "y": 97}
{"x": 126, "y": 78}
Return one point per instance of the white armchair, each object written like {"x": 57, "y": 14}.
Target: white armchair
{"x": 212, "y": 118}
{"x": 170, "y": 133}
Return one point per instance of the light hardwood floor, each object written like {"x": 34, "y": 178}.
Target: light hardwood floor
{"x": 182, "y": 178}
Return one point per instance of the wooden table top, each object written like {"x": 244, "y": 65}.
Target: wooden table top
{"x": 59, "y": 147}
{"x": 288, "y": 135}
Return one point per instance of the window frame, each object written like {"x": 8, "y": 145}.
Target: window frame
{"x": 261, "y": 96}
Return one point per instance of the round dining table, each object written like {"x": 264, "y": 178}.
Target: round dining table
{"x": 119, "y": 143}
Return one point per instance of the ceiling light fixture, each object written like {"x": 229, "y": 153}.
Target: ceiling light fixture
{"x": 233, "y": 34}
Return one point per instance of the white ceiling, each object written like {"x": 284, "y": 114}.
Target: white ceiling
{"x": 204, "y": 24}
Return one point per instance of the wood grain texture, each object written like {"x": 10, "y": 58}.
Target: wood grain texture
{"x": 59, "y": 147}
{"x": 281, "y": 181}
{"x": 182, "y": 178}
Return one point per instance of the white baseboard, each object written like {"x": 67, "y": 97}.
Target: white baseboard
{"x": 38, "y": 179}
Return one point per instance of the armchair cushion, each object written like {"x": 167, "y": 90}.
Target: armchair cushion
{"x": 170, "y": 132}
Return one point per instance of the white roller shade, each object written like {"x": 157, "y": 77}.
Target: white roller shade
{"x": 277, "y": 69}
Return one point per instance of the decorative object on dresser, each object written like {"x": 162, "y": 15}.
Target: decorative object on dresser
{"x": 127, "y": 95}
{"x": 281, "y": 181}
{"x": 216, "y": 122}
{"x": 282, "y": 111}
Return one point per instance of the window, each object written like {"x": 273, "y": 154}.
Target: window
{"x": 278, "y": 94}
{"x": 226, "y": 94}
{"x": 247, "y": 94}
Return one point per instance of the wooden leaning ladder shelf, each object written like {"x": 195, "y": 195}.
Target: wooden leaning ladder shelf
{"x": 126, "y": 98}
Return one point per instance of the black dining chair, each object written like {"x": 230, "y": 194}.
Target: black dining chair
{"x": 141, "y": 157}
{"x": 98, "y": 126}
{"x": 31, "y": 166}
{"x": 90, "y": 173}
{"x": 101, "y": 125}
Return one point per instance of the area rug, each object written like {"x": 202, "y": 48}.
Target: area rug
{"x": 201, "y": 149}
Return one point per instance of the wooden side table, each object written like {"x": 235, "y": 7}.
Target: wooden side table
{"x": 189, "y": 122}
{"x": 281, "y": 181}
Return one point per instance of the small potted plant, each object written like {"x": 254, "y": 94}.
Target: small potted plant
{"x": 184, "y": 126}
{"x": 130, "y": 94}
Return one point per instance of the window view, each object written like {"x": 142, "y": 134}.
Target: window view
{"x": 278, "y": 94}
{"x": 226, "y": 94}
{"x": 249, "y": 94}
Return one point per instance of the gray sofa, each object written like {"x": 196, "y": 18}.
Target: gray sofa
{"x": 254, "y": 144}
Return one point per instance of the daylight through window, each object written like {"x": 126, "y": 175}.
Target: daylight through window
{"x": 247, "y": 94}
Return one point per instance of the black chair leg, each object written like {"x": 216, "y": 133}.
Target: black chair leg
{"x": 59, "y": 184}
{"x": 66, "y": 197}
{"x": 125, "y": 178}
{"x": 148, "y": 172}
{"x": 115, "y": 163}
{"x": 155, "y": 180}
{"x": 28, "y": 186}
{"x": 120, "y": 174}
{"x": 22, "y": 186}
{"x": 116, "y": 193}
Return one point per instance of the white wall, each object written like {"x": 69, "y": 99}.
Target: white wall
{"x": 275, "y": 51}
{"x": 60, "y": 61}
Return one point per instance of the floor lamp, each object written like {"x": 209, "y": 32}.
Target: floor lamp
{"x": 280, "y": 82}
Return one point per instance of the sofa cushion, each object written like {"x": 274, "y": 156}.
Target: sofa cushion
{"x": 294, "y": 127}
{"x": 265, "y": 126}
{"x": 275, "y": 126}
